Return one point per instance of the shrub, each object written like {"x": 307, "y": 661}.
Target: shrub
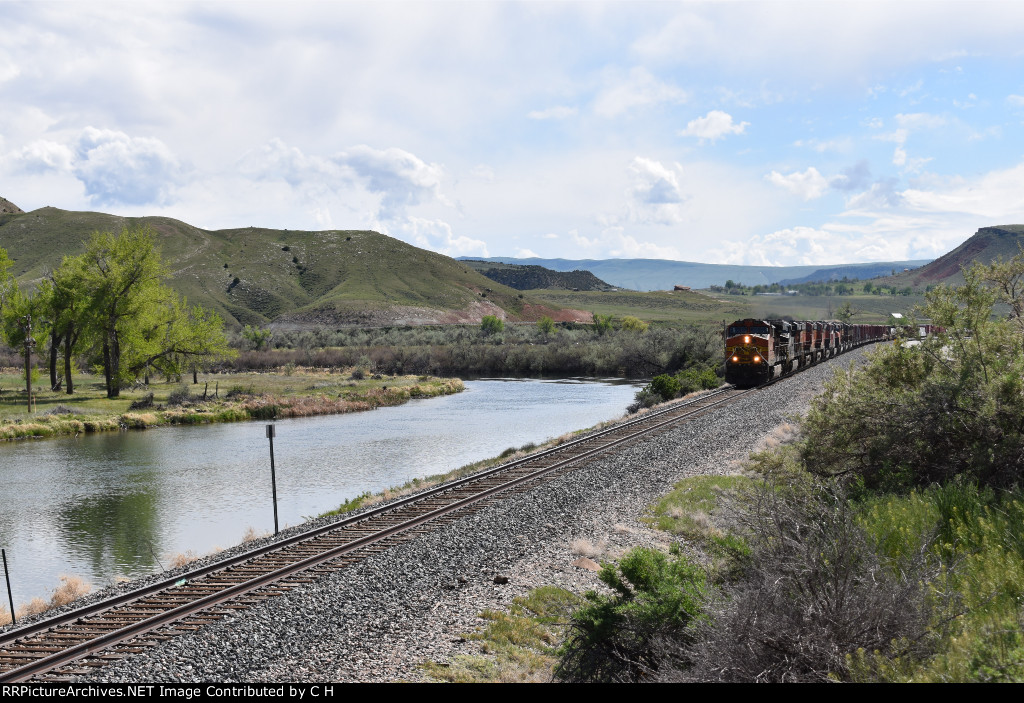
{"x": 668, "y": 387}
{"x": 490, "y": 324}
{"x": 814, "y": 592}
{"x": 142, "y": 403}
{"x": 645, "y": 398}
{"x": 634, "y": 324}
{"x": 619, "y": 638}
{"x": 179, "y": 396}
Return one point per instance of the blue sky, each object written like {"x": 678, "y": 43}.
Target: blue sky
{"x": 723, "y": 132}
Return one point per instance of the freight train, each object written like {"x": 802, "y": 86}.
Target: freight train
{"x": 756, "y": 351}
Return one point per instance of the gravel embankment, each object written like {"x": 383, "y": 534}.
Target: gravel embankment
{"x": 380, "y": 619}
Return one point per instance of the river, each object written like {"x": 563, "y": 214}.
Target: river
{"x": 111, "y": 505}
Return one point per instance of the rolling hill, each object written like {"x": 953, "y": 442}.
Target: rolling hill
{"x": 287, "y": 278}
{"x": 537, "y": 277}
{"x": 984, "y": 246}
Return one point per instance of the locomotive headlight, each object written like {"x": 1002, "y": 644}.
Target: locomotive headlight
{"x": 757, "y": 359}
{"x": 735, "y": 358}
{"x": 746, "y": 340}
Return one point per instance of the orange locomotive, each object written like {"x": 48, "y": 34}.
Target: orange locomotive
{"x": 756, "y": 351}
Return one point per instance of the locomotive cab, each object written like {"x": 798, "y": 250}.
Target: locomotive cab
{"x": 748, "y": 345}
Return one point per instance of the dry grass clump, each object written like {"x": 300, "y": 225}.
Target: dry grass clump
{"x": 182, "y": 559}
{"x": 71, "y": 588}
{"x": 783, "y": 434}
{"x": 586, "y": 548}
{"x": 252, "y": 534}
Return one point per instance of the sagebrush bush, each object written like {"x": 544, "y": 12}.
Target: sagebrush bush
{"x": 814, "y": 591}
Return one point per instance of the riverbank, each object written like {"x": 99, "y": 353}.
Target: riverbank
{"x": 233, "y": 397}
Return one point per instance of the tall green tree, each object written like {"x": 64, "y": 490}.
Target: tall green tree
{"x": 141, "y": 323}
{"x": 24, "y": 321}
{"x": 123, "y": 274}
{"x": 67, "y": 305}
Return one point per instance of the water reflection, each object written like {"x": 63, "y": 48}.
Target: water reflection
{"x": 113, "y": 533}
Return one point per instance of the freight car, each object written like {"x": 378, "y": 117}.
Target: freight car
{"x": 756, "y": 351}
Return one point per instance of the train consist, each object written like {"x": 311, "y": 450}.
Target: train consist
{"x": 756, "y": 351}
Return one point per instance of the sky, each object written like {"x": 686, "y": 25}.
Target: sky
{"x": 761, "y": 133}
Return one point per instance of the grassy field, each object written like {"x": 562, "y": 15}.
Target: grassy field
{"x": 683, "y": 307}
{"x": 216, "y": 398}
{"x": 870, "y": 308}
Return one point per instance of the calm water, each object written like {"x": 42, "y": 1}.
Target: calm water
{"x": 119, "y": 504}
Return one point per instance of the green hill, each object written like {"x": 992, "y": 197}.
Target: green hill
{"x": 537, "y": 277}
{"x": 984, "y": 246}
{"x": 287, "y": 278}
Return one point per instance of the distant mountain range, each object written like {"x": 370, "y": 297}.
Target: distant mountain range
{"x": 660, "y": 274}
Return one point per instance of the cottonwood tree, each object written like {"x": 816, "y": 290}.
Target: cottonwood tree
{"x": 67, "y": 306}
{"x": 139, "y": 321}
{"x": 23, "y": 320}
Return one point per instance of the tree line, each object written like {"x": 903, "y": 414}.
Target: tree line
{"x": 111, "y": 306}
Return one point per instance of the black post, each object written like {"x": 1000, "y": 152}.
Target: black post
{"x": 10, "y": 596}
{"x": 273, "y": 476}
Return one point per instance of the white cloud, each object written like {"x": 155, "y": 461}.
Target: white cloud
{"x": 916, "y": 87}
{"x": 713, "y": 126}
{"x": 840, "y": 144}
{"x": 616, "y": 243}
{"x": 1017, "y": 100}
{"x": 811, "y": 246}
{"x": 42, "y": 155}
{"x": 436, "y": 235}
{"x": 996, "y": 197}
{"x": 920, "y": 120}
{"x": 807, "y": 185}
{"x": 654, "y": 196}
{"x": 559, "y": 112}
{"x": 639, "y": 89}
{"x": 802, "y": 42}
{"x": 114, "y": 167}
{"x": 482, "y": 173}
{"x": 527, "y": 254}
{"x": 401, "y": 178}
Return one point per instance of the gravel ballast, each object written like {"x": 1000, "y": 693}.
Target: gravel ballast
{"x": 380, "y": 619}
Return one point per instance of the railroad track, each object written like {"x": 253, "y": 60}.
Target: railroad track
{"x": 79, "y": 641}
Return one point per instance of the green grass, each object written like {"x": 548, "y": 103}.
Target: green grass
{"x": 256, "y": 396}
{"x": 979, "y": 536}
{"x": 874, "y": 309}
{"x": 657, "y": 306}
{"x": 517, "y": 645}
